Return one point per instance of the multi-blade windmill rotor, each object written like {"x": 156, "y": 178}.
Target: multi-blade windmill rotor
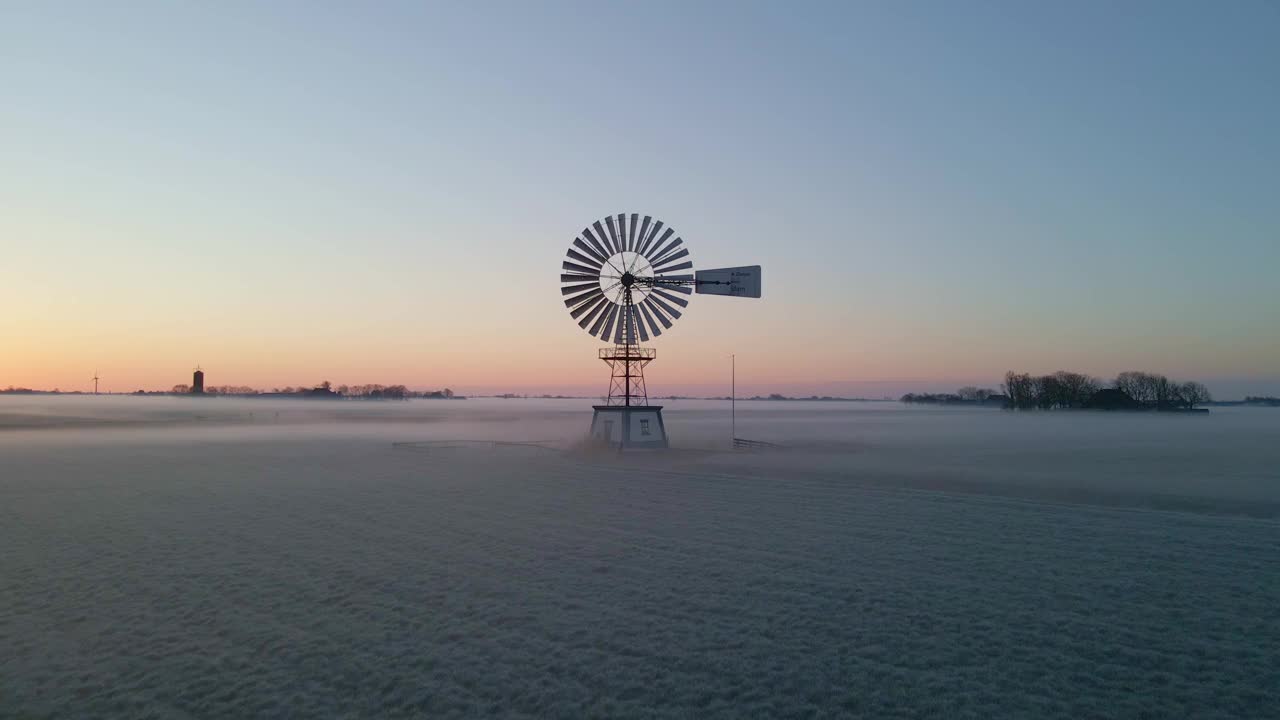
{"x": 622, "y": 277}
{"x": 626, "y": 279}
{"x": 627, "y": 276}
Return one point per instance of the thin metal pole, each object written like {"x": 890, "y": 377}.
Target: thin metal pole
{"x": 626, "y": 338}
{"x": 733, "y": 398}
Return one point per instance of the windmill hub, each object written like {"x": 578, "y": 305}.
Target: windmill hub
{"x": 621, "y": 282}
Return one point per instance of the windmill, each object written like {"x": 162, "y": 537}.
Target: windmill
{"x": 95, "y": 382}
{"x": 625, "y": 280}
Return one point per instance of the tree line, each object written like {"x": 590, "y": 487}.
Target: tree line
{"x": 968, "y": 395}
{"x": 1076, "y": 390}
{"x": 324, "y": 389}
{"x": 383, "y": 392}
{"x": 1066, "y": 390}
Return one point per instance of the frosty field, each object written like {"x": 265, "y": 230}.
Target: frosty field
{"x": 166, "y": 557}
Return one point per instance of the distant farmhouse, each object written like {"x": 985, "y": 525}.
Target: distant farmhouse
{"x": 1112, "y": 399}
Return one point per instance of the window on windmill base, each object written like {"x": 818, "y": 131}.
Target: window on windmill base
{"x": 644, "y": 427}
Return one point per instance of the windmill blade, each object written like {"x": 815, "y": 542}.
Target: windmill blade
{"x": 584, "y": 297}
{"x": 631, "y": 232}
{"x": 585, "y": 260}
{"x": 570, "y": 289}
{"x": 604, "y": 238}
{"x": 643, "y": 234}
{"x": 595, "y": 327}
{"x": 577, "y": 312}
{"x": 622, "y": 231}
{"x": 682, "y": 252}
{"x": 662, "y": 245}
{"x": 652, "y": 254}
{"x": 580, "y": 268}
{"x": 671, "y": 312}
{"x": 648, "y": 241}
{"x": 590, "y": 310}
{"x": 652, "y": 303}
{"x": 670, "y": 248}
{"x": 653, "y": 326}
{"x": 621, "y": 331}
{"x": 678, "y": 266}
{"x": 613, "y": 234}
{"x": 639, "y": 326}
{"x": 611, "y": 315}
{"x": 584, "y": 247}
{"x": 598, "y": 244}
{"x": 662, "y": 293}
{"x": 566, "y": 277}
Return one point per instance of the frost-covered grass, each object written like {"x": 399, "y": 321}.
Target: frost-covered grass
{"x": 318, "y": 572}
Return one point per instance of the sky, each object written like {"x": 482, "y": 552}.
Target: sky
{"x": 291, "y": 192}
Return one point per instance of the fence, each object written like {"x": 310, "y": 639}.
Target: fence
{"x": 744, "y": 444}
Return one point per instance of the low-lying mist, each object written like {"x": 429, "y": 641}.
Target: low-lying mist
{"x": 1226, "y": 461}
{"x": 180, "y": 557}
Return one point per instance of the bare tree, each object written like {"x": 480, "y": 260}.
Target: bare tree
{"x": 1194, "y": 393}
{"x": 1131, "y": 383}
{"x": 1019, "y": 388}
{"x": 1166, "y": 392}
{"x": 1048, "y": 392}
{"x": 1076, "y": 388}
{"x": 1146, "y": 388}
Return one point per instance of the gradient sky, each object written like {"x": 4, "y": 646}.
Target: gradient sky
{"x": 287, "y": 192}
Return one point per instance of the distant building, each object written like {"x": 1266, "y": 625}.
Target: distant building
{"x": 322, "y": 392}
{"x": 1112, "y": 399}
{"x": 197, "y": 382}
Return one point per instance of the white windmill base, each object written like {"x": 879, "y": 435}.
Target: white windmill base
{"x": 635, "y": 426}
